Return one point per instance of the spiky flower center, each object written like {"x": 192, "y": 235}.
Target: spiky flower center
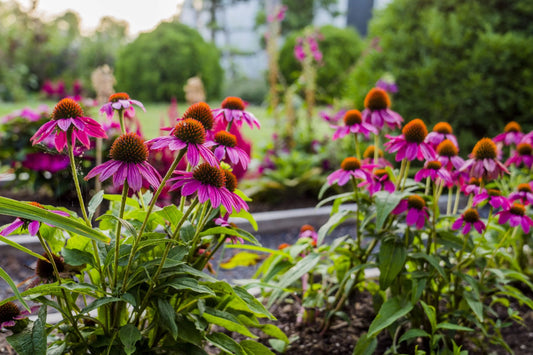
{"x": 447, "y": 149}
{"x": 518, "y": 209}
{"x": 443, "y": 128}
{"x": 369, "y": 152}
{"x": 226, "y": 139}
{"x": 8, "y": 311}
{"x": 352, "y": 117}
{"x": 377, "y": 99}
{"x": 485, "y": 148}
{"x": 129, "y": 148}
{"x": 524, "y": 149}
{"x": 494, "y": 192}
{"x": 512, "y": 127}
{"x": 307, "y": 227}
{"x": 119, "y": 96}
{"x": 471, "y": 215}
{"x": 434, "y": 165}
{"x": 380, "y": 172}
{"x": 230, "y": 180}
{"x": 350, "y": 163}
{"x": 201, "y": 112}
{"x": 475, "y": 181}
{"x": 415, "y": 201}
{"x": 524, "y": 188}
{"x": 45, "y": 269}
{"x": 209, "y": 175}
{"x": 415, "y": 131}
{"x": 233, "y": 103}
{"x": 190, "y": 131}
{"x": 67, "y": 108}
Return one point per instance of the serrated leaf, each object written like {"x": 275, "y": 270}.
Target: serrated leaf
{"x": 77, "y": 257}
{"x": 129, "y": 335}
{"x": 32, "y": 340}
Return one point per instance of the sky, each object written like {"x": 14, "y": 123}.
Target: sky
{"x": 142, "y": 15}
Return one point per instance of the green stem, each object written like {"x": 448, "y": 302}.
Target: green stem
{"x": 77, "y": 184}
{"x": 357, "y": 213}
{"x": 406, "y": 173}
{"x": 121, "y": 120}
{"x": 399, "y": 178}
{"x": 449, "y": 204}
{"x": 357, "y": 149}
{"x": 457, "y": 198}
{"x": 125, "y": 189}
{"x": 500, "y": 244}
{"x": 428, "y": 184}
{"x": 376, "y": 149}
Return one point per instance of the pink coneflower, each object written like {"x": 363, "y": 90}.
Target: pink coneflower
{"x": 410, "y": 144}
{"x": 350, "y": 167}
{"x": 468, "y": 219}
{"x": 377, "y": 111}
{"x": 208, "y": 182}
{"x": 416, "y": 211}
{"x": 201, "y": 112}
{"x": 380, "y": 180}
{"x": 472, "y": 187}
{"x": 226, "y": 146}
{"x": 10, "y": 314}
{"x": 516, "y": 215}
{"x": 30, "y": 225}
{"x": 232, "y": 111}
{"x": 187, "y": 134}
{"x": 494, "y": 198}
{"x": 368, "y": 157}
{"x": 512, "y": 134}
{"x": 522, "y": 155}
{"x": 524, "y": 194}
{"x": 40, "y": 161}
{"x": 447, "y": 154}
{"x": 434, "y": 170}
{"x": 332, "y": 117}
{"x": 308, "y": 231}
{"x": 353, "y": 123}
{"x": 230, "y": 182}
{"x": 68, "y": 117}
{"x": 120, "y": 102}
{"x": 483, "y": 162}
{"x": 441, "y": 132}
{"x": 128, "y": 162}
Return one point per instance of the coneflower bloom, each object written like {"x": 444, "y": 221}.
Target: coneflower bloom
{"x": 441, "y": 131}
{"x": 232, "y": 110}
{"x": 226, "y": 146}
{"x": 417, "y": 211}
{"x": 230, "y": 182}
{"x": 350, "y": 167}
{"x": 31, "y": 226}
{"x": 524, "y": 194}
{"x": 129, "y": 156}
{"x": 410, "y": 144}
{"x": 353, "y": 123}
{"x": 10, "y": 314}
{"x": 434, "y": 170}
{"x": 469, "y": 218}
{"x": 380, "y": 180}
{"x": 308, "y": 231}
{"x": 208, "y": 182}
{"x": 68, "y": 117}
{"x": 472, "y": 187}
{"x": 512, "y": 134}
{"x": 377, "y": 111}
{"x": 201, "y": 112}
{"x": 120, "y": 102}
{"x": 483, "y": 162}
{"x": 494, "y": 198}
{"x": 187, "y": 134}
{"x": 522, "y": 155}
{"x": 516, "y": 215}
{"x": 368, "y": 157}
{"x": 447, "y": 154}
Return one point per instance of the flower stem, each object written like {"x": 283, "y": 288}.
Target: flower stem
{"x": 399, "y": 178}
{"x": 125, "y": 189}
{"x": 449, "y": 205}
{"x": 357, "y": 149}
{"x": 457, "y": 197}
{"x": 376, "y": 149}
{"x": 121, "y": 120}
{"x": 77, "y": 184}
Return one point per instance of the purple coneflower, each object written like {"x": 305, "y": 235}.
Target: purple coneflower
{"x": 353, "y": 123}
{"x": 30, "y": 225}
{"x": 434, "y": 170}
{"x": 226, "y": 146}
{"x": 473, "y": 186}
{"x": 522, "y": 155}
{"x": 483, "y": 162}
{"x": 368, "y": 157}
{"x": 120, "y": 101}
{"x": 410, "y": 144}
{"x": 380, "y": 180}
{"x": 447, "y": 154}
{"x": 524, "y": 194}
{"x": 201, "y": 112}
{"x": 494, "y": 198}
{"x": 512, "y": 134}
{"x": 230, "y": 181}
{"x": 441, "y": 132}
{"x": 128, "y": 162}
{"x": 516, "y": 215}
{"x": 377, "y": 111}
{"x": 469, "y": 218}
{"x": 232, "y": 111}
{"x": 187, "y": 134}
{"x": 350, "y": 167}
{"x": 10, "y": 314}
{"x": 68, "y": 117}
{"x": 416, "y": 211}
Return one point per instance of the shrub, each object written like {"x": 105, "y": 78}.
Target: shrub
{"x": 464, "y": 62}
{"x": 340, "y": 47}
{"x": 157, "y": 64}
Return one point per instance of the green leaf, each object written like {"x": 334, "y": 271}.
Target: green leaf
{"x": 431, "y": 314}
{"x": 247, "y": 216}
{"x": 242, "y": 258}
{"x": 252, "y": 302}
{"x": 432, "y": 260}
{"x": 168, "y": 317}
{"x": 95, "y": 201}
{"x": 333, "y": 222}
{"x": 392, "y": 256}
{"x": 20, "y": 247}
{"x": 445, "y": 325}
{"x": 129, "y": 335}
{"x": 32, "y": 340}
{"x": 11, "y": 284}
{"x": 231, "y": 231}
{"x": 385, "y": 203}
{"x": 254, "y": 348}
{"x": 225, "y": 343}
{"x": 24, "y": 210}
{"x": 118, "y": 198}
{"x": 226, "y": 320}
{"x": 273, "y": 331}
{"x": 99, "y": 303}
{"x": 170, "y": 213}
{"x": 392, "y": 310}
{"x": 187, "y": 283}
{"x": 365, "y": 345}
{"x": 77, "y": 257}
{"x": 413, "y": 333}
{"x": 475, "y": 304}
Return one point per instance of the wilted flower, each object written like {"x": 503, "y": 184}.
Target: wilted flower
{"x": 10, "y": 314}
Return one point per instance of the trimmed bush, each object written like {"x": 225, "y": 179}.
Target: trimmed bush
{"x": 157, "y": 64}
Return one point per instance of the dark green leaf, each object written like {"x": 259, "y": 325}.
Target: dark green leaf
{"x": 254, "y": 305}
{"x": 475, "y": 304}
{"x": 413, "y": 333}
{"x": 365, "y": 345}
{"x": 225, "y": 343}
{"x": 254, "y": 348}
{"x": 32, "y": 340}
{"x": 385, "y": 203}
{"x": 392, "y": 310}
{"x": 99, "y": 303}
{"x": 392, "y": 255}
{"x": 77, "y": 257}
{"x": 167, "y": 316}
{"x": 226, "y": 320}
{"x": 187, "y": 283}
{"x": 11, "y": 284}
{"x": 129, "y": 335}
{"x": 432, "y": 260}
{"x": 95, "y": 201}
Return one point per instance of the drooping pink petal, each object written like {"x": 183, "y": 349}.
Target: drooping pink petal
{"x": 33, "y": 227}
{"x": 12, "y": 227}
